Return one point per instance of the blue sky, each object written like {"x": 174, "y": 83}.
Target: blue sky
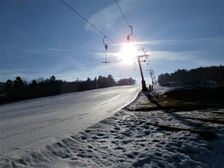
{"x": 40, "y": 38}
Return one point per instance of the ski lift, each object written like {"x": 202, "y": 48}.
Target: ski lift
{"x": 106, "y": 47}
{"x": 151, "y": 73}
{"x": 144, "y": 54}
{"x": 128, "y": 37}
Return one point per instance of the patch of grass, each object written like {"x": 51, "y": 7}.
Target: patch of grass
{"x": 168, "y": 103}
{"x": 212, "y": 95}
{"x": 190, "y": 99}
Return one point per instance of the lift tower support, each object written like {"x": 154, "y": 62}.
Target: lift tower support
{"x": 144, "y": 88}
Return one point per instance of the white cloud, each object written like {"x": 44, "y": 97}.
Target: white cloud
{"x": 171, "y": 56}
{"x": 212, "y": 41}
{"x": 59, "y": 49}
{"x": 106, "y": 19}
{"x": 47, "y": 50}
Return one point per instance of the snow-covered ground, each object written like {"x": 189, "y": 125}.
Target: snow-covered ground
{"x": 32, "y": 124}
{"x": 136, "y": 139}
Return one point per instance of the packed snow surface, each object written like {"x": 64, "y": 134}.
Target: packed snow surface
{"x": 32, "y": 124}
{"x": 135, "y": 139}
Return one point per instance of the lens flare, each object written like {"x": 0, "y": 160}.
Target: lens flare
{"x": 128, "y": 53}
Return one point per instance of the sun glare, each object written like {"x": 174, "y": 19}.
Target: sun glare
{"x": 128, "y": 53}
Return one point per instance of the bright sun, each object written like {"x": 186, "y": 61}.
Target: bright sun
{"x": 128, "y": 53}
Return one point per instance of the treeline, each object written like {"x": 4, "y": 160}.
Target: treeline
{"x": 212, "y": 73}
{"x": 19, "y": 89}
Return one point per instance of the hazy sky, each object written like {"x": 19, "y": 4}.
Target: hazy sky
{"x": 40, "y": 38}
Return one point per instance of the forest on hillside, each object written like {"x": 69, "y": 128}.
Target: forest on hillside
{"x": 212, "y": 73}
{"x": 20, "y": 89}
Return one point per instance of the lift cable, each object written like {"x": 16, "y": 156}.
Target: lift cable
{"x": 122, "y": 13}
{"x": 84, "y": 19}
{"x": 125, "y": 19}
